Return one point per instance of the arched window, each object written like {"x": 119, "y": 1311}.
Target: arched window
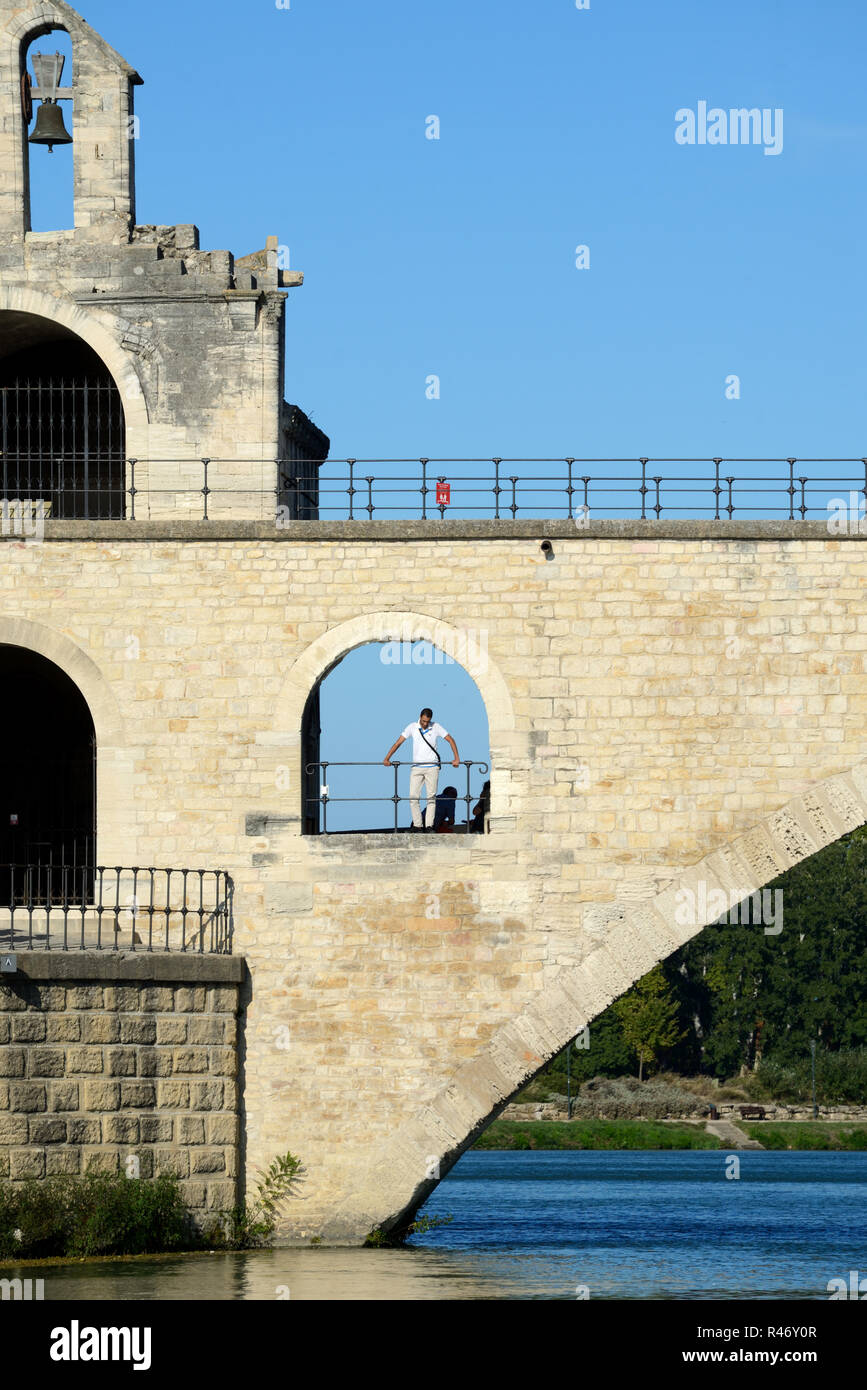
{"x": 62, "y": 432}
{"x": 361, "y": 707}
{"x": 48, "y": 787}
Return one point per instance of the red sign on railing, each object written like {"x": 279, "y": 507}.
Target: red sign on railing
{"x": 444, "y": 494}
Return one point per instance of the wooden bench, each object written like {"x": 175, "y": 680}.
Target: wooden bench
{"x": 752, "y": 1112}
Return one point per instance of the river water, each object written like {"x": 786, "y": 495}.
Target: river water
{"x": 561, "y": 1225}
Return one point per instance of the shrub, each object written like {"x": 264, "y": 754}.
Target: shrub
{"x": 94, "y": 1215}
{"x": 32, "y": 1219}
{"x": 128, "y": 1216}
{"x": 841, "y": 1078}
{"x": 625, "y": 1098}
{"x": 110, "y": 1215}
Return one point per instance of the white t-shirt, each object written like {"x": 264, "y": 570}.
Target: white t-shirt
{"x": 423, "y": 752}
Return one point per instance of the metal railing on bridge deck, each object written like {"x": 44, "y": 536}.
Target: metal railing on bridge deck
{"x": 474, "y": 823}
{"x": 57, "y": 907}
{"x": 430, "y": 489}
{"x": 573, "y": 489}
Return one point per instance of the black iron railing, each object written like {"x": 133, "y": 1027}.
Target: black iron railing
{"x": 574, "y": 489}
{"x": 56, "y": 907}
{"x": 470, "y": 824}
{"x": 427, "y": 489}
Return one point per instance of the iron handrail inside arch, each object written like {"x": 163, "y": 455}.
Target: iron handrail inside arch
{"x": 474, "y": 823}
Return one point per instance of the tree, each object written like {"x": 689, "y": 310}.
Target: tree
{"x": 648, "y": 1017}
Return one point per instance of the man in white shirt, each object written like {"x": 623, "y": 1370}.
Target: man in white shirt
{"x": 426, "y": 765}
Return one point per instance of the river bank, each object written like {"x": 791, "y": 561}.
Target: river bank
{"x": 665, "y": 1134}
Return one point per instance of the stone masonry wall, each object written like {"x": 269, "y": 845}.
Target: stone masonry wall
{"x": 666, "y": 703}
{"x": 98, "y": 1062}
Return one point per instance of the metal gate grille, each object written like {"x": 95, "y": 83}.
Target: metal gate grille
{"x": 62, "y": 441}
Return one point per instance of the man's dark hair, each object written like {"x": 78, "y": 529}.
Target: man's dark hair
{"x": 428, "y": 712}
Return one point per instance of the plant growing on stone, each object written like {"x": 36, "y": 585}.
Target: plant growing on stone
{"x": 253, "y": 1224}
{"x": 428, "y": 1223}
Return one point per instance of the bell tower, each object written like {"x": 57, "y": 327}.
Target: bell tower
{"x": 101, "y": 102}
{"x": 141, "y": 377}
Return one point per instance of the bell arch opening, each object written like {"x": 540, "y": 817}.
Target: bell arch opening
{"x": 62, "y": 425}
{"x": 47, "y": 116}
{"x": 48, "y": 788}
{"x": 368, "y": 700}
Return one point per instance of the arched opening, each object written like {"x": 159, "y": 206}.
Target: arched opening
{"x": 49, "y": 175}
{"x": 62, "y": 428}
{"x": 364, "y": 704}
{"x": 48, "y": 788}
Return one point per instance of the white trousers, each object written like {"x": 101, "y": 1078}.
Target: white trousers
{"x": 427, "y": 774}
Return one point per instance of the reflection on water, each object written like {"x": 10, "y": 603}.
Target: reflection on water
{"x": 634, "y": 1225}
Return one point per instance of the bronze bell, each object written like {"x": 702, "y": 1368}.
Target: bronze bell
{"x": 50, "y": 128}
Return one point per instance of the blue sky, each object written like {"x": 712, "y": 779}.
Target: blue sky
{"x": 456, "y": 257}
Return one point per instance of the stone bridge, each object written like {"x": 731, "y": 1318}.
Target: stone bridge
{"x": 671, "y": 705}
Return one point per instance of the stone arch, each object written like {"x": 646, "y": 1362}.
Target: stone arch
{"x": 619, "y": 943}
{"x": 42, "y": 18}
{"x": 81, "y": 669}
{"x": 323, "y": 654}
{"x": 37, "y": 303}
{"x": 113, "y": 771}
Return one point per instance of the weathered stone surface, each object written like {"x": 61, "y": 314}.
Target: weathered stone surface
{"x": 172, "y": 1162}
{"x": 101, "y": 1095}
{"x": 173, "y": 1030}
{"x": 47, "y": 1131}
{"x": 99, "y": 1028}
{"x": 51, "y": 1061}
{"x": 207, "y": 1095}
{"x": 139, "y": 1030}
{"x": 27, "y": 1163}
{"x": 121, "y": 1061}
{"x": 85, "y": 1131}
{"x": 191, "y": 1129}
{"x": 63, "y": 1161}
{"x": 13, "y": 1131}
{"x": 121, "y": 1129}
{"x": 28, "y": 1028}
{"x": 63, "y": 1095}
{"x": 12, "y": 1062}
{"x": 191, "y": 1059}
{"x": 107, "y": 1100}
{"x": 27, "y": 1099}
{"x": 84, "y": 997}
{"x": 83, "y": 1061}
{"x": 137, "y": 1095}
{"x": 207, "y": 1161}
{"x": 152, "y": 1062}
{"x": 174, "y": 1095}
{"x": 191, "y": 1000}
{"x": 68, "y": 1028}
{"x": 100, "y": 1161}
{"x": 157, "y": 1129}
